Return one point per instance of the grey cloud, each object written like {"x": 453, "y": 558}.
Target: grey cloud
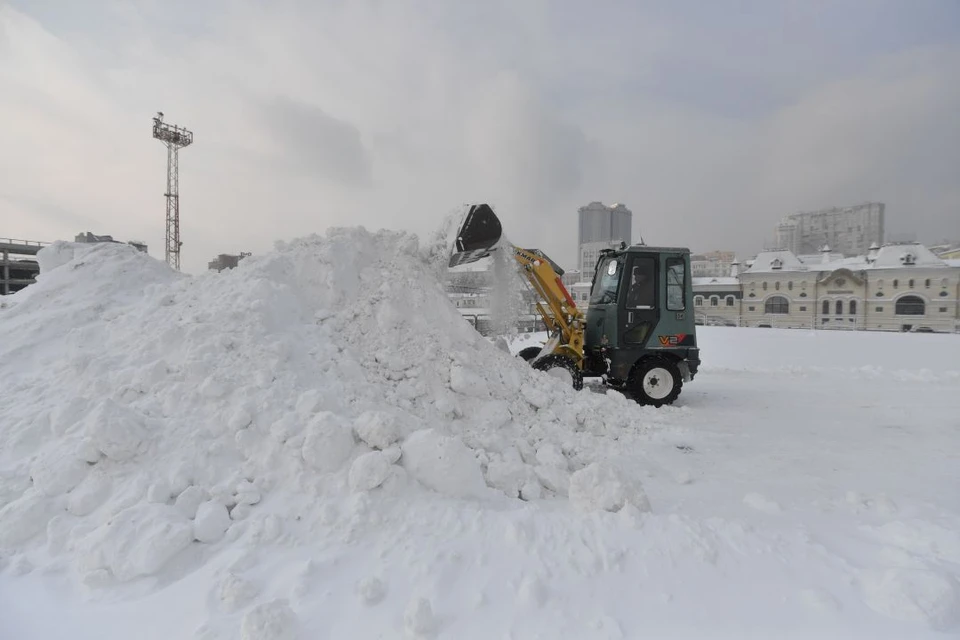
{"x": 709, "y": 123}
{"x": 316, "y": 144}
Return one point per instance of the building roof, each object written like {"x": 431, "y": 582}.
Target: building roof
{"x": 776, "y": 260}
{"x": 892, "y": 256}
{"x": 889, "y": 256}
{"x": 725, "y": 281}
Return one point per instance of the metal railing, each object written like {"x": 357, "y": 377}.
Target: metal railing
{"x": 26, "y": 243}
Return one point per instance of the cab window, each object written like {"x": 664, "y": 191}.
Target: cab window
{"x": 606, "y": 284}
{"x": 676, "y": 272}
{"x": 642, "y": 291}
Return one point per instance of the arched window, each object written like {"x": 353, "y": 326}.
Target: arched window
{"x": 826, "y": 307}
{"x": 910, "y": 283}
{"x": 776, "y": 304}
{"x": 714, "y": 301}
{"x": 790, "y": 286}
{"x": 731, "y": 301}
{"x": 926, "y": 283}
{"x": 764, "y": 286}
{"x": 839, "y": 307}
{"x": 853, "y": 307}
{"x": 776, "y": 285}
{"x": 698, "y": 301}
{"x": 910, "y": 306}
{"x": 895, "y": 283}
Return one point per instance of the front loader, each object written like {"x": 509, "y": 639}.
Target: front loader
{"x": 638, "y": 334}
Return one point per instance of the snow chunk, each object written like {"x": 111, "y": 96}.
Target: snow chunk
{"x": 444, "y": 464}
{"x": 600, "y": 487}
{"x": 913, "y": 595}
{"x": 57, "y": 470}
{"x": 535, "y": 396}
{"x": 507, "y": 472}
{"x": 138, "y": 541}
{"x": 115, "y": 430}
{"x": 418, "y": 618}
{"x": 371, "y": 590}
{"x": 236, "y": 593}
{"x": 190, "y": 500}
{"x": 328, "y": 443}
{"x": 211, "y": 523}
{"x": 371, "y": 469}
{"x": 55, "y": 255}
{"x": 378, "y": 429}
{"x": 761, "y": 503}
{"x": 467, "y": 382}
{"x": 273, "y": 620}
{"x": 24, "y": 518}
{"x": 89, "y": 495}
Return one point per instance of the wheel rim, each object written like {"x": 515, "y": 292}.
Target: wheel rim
{"x": 657, "y": 383}
{"x": 560, "y": 373}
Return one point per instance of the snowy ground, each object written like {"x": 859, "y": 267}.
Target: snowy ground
{"x": 805, "y": 485}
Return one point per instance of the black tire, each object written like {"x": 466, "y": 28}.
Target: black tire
{"x": 529, "y": 353}
{"x": 555, "y": 362}
{"x": 655, "y": 382}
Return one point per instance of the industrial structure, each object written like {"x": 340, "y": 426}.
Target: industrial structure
{"x": 227, "y": 261}
{"x": 174, "y": 138}
{"x": 89, "y": 238}
{"x": 18, "y": 264}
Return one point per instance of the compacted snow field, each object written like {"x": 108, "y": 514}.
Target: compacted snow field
{"x": 316, "y": 445}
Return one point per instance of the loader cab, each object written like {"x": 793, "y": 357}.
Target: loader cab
{"x": 640, "y": 331}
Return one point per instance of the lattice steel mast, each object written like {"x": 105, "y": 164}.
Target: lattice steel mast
{"x": 173, "y": 137}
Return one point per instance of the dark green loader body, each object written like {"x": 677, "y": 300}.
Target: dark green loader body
{"x": 640, "y": 332}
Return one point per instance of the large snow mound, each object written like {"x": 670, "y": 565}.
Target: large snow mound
{"x": 148, "y": 413}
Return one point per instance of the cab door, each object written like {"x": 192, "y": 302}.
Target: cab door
{"x": 638, "y": 309}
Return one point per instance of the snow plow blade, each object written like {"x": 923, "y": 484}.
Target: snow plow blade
{"x": 478, "y": 236}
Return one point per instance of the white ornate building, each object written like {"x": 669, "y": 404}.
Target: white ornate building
{"x": 897, "y": 287}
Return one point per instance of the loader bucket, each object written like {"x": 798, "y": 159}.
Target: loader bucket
{"x": 478, "y": 235}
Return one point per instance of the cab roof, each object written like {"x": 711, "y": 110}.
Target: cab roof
{"x": 643, "y": 248}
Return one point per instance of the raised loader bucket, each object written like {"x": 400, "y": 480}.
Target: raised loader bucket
{"x": 478, "y": 235}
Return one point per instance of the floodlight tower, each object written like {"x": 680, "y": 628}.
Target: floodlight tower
{"x": 174, "y": 138}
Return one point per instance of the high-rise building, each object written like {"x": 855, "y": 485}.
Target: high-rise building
{"x": 847, "y": 230}
{"x": 601, "y": 225}
{"x": 715, "y": 264}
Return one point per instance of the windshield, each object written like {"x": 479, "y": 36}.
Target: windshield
{"x": 607, "y": 281}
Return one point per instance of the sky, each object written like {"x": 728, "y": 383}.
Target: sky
{"x": 709, "y": 119}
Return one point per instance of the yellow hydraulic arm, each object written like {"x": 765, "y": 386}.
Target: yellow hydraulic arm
{"x": 564, "y": 320}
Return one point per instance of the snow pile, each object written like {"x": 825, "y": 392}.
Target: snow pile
{"x": 147, "y": 413}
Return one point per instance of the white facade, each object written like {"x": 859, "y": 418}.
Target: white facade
{"x": 717, "y": 301}
{"x": 849, "y": 230}
{"x": 897, "y": 287}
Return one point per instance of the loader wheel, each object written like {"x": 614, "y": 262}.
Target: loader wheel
{"x": 562, "y": 368}
{"x": 655, "y": 382}
{"x": 529, "y": 353}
